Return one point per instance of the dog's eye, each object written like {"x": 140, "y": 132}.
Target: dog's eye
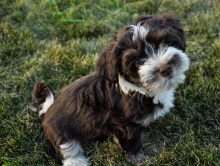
{"x": 174, "y": 60}
{"x": 149, "y": 49}
{"x": 140, "y": 62}
{"x": 147, "y": 52}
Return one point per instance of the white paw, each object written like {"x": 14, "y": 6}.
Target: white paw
{"x": 77, "y": 161}
{"x": 138, "y": 158}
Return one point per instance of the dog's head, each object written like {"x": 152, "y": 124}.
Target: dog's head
{"x": 148, "y": 54}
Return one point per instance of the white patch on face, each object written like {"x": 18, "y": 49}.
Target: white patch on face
{"x": 48, "y": 102}
{"x": 139, "y": 32}
{"x": 152, "y": 81}
{"x": 73, "y": 154}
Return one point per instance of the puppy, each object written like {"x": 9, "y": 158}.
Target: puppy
{"x": 133, "y": 84}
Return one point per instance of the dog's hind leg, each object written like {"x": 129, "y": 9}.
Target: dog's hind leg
{"x": 68, "y": 151}
{"x": 72, "y": 154}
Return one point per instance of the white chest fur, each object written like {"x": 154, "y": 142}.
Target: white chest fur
{"x": 165, "y": 98}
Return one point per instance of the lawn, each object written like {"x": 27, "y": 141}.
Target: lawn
{"x": 57, "y": 41}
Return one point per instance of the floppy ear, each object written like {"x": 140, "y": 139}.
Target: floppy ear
{"x": 107, "y": 63}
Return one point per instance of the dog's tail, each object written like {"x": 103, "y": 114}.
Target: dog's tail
{"x": 44, "y": 98}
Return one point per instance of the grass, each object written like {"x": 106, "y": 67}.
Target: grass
{"x": 57, "y": 42}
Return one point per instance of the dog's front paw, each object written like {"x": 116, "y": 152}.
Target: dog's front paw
{"x": 138, "y": 158}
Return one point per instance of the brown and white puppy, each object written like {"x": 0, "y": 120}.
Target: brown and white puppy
{"x": 134, "y": 83}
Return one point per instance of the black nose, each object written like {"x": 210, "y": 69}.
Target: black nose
{"x": 165, "y": 70}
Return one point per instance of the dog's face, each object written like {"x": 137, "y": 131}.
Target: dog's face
{"x": 148, "y": 54}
